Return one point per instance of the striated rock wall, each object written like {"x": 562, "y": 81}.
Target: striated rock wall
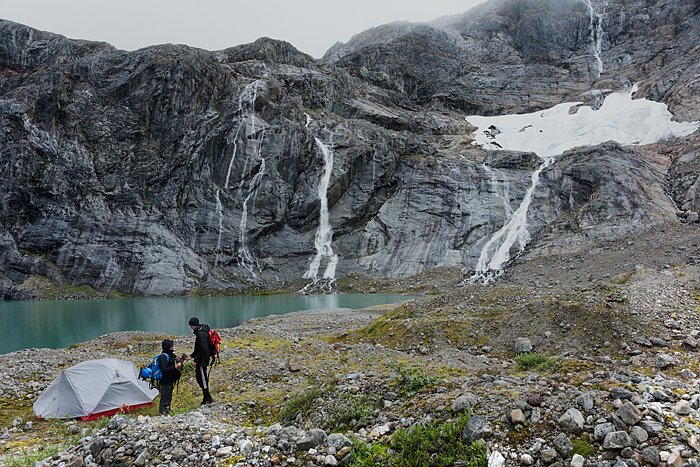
{"x": 172, "y": 168}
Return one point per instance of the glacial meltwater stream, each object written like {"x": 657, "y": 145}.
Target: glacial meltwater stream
{"x": 59, "y": 323}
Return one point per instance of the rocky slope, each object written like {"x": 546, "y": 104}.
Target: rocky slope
{"x": 617, "y": 383}
{"x": 171, "y": 169}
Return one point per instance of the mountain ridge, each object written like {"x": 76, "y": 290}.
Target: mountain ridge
{"x": 171, "y": 169}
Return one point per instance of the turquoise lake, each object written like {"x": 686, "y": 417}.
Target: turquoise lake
{"x": 60, "y": 323}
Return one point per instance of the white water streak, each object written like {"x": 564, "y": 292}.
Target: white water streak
{"x": 245, "y": 256}
{"x": 553, "y": 131}
{"x": 596, "y": 28}
{"x": 246, "y": 110}
{"x": 324, "y": 234}
{"x": 497, "y": 250}
{"x": 219, "y": 212}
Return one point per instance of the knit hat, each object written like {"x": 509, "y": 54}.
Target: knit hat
{"x": 194, "y": 321}
{"x": 167, "y": 345}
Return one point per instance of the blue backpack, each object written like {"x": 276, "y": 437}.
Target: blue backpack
{"x": 152, "y": 372}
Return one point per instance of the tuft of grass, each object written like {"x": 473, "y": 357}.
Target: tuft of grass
{"x": 367, "y": 455}
{"x": 582, "y": 448}
{"x": 345, "y": 408}
{"x": 412, "y": 380}
{"x": 534, "y": 361}
{"x": 29, "y": 458}
{"x": 299, "y": 404}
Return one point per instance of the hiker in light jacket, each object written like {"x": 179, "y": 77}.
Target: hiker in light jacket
{"x": 170, "y": 368}
{"x": 200, "y": 356}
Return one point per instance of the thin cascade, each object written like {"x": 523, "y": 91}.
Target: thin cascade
{"x": 246, "y": 112}
{"x": 324, "y": 234}
{"x": 596, "y": 27}
{"x": 497, "y": 250}
{"x": 220, "y": 213}
{"x": 245, "y": 256}
{"x": 252, "y": 90}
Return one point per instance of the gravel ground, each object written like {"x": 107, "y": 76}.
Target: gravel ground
{"x": 608, "y": 316}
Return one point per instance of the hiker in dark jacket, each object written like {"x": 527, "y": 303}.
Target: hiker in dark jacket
{"x": 170, "y": 369}
{"x": 200, "y": 356}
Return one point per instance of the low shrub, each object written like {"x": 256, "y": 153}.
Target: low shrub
{"x": 434, "y": 444}
{"x": 534, "y": 361}
{"x": 299, "y": 404}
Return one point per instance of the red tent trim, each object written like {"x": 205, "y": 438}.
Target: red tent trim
{"x": 109, "y": 413}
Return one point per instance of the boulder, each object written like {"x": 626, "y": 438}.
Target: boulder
{"x": 617, "y": 440}
{"x": 572, "y": 421}
{"x": 464, "y": 403}
{"x": 522, "y": 345}
{"x": 476, "y": 428}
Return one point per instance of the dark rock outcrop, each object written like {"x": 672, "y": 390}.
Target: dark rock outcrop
{"x": 171, "y": 168}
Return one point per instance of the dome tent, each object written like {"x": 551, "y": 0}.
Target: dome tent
{"x": 94, "y": 389}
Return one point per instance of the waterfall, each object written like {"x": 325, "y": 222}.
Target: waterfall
{"x": 551, "y": 132}
{"x": 245, "y": 257}
{"x": 596, "y": 28}
{"x": 324, "y": 234}
{"x": 220, "y": 213}
{"x": 497, "y": 250}
{"x": 246, "y": 113}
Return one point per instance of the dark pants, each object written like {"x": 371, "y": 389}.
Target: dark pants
{"x": 203, "y": 381}
{"x": 166, "y": 397}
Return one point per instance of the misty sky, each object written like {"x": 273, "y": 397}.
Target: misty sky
{"x": 312, "y": 26}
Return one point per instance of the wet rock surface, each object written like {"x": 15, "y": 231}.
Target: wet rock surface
{"x": 173, "y": 170}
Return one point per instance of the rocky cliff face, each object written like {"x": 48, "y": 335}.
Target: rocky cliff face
{"x": 172, "y": 168}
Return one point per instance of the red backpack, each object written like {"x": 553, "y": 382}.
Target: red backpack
{"x": 214, "y": 343}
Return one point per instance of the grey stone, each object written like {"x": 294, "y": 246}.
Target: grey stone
{"x": 577, "y": 460}
{"x": 630, "y": 414}
{"x": 651, "y": 455}
{"x": 653, "y": 428}
{"x": 142, "y": 459}
{"x": 660, "y": 395}
{"x": 674, "y": 459}
{"x": 682, "y": 408}
{"x": 621, "y": 393}
{"x": 97, "y": 446}
{"x": 694, "y": 442}
{"x": 664, "y": 361}
{"x": 118, "y": 422}
{"x": 572, "y": 421}
{"x": 522, "y": 345}
{"x": 658, "y": 342}
{"x": 639, "y": 434}
{"x": 586, "y": 401}
{"x": 315, "y": 438}
{"x": 548, "y": 456}
{"x": 689, "y": 344}
{"x": 338, "y": 441}
{"x": 246, "y": 447}
{"x": 563, "y": 445}
{"x": 464, "y": 403}
{"x": 617, "y": 440}
{"x": 476, "y": 428}
{"x": 602, "y": 429}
